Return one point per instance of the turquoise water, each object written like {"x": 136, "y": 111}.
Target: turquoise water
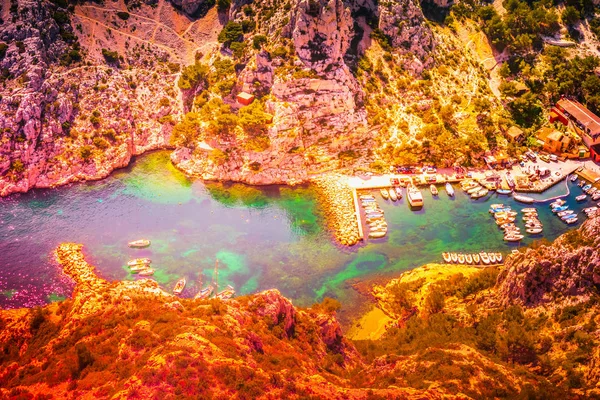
{"x": 263, "y": 237}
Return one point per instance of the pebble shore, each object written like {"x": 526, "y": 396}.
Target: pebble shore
{"x": 335, "y": 195}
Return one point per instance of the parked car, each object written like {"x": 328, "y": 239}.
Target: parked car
{"x": 553, "y": 157}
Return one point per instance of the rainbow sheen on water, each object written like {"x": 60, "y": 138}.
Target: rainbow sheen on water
{"x": 263, "y": 237}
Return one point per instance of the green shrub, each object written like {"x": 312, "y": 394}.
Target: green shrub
{"x": 238, "y": 49}
{"x": 186, "y": 132}
{"x": 85, "y": 152}
{"x": 192, "y": 76}
{"x": 232, "y": 32}
{"x": 123, "y": 15}
{"x": 258, "y": 41}
{"x": 223, "y": 5}
{"x": 60, "y": 17}
{"x": 248, "y": 25}
{"x": 101, "y": 143}
{"x": 17, "y": 166}
{"x": 110, "y": 56}
{"x": 253, "y": 119}
{"x": 280, "y": 52}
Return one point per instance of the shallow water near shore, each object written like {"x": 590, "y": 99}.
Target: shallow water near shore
{"x": 263, "y": 237}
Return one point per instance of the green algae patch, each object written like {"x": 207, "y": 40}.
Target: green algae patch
{"x": 8, "y": 293}
{"x": 251, "y": 285}
{"x": 230, "y": 265}
{"x": 237, "y": 195}
{"x": 363, "y": 264}
{"x": 163, "y": 277}
{"x": 155, "y": 179}
{"x": 301, "y": 206}
{"x": 54, "y": 297}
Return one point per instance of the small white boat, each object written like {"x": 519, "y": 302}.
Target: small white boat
{"x": 398, "y": 193}
{"x": 138, "y": 261}
{"x": 146, "y": 272}
{"x": 524, "y": 199}
{"x": 581, "y": 197}
{"x": 377, "y": 234}
{"x": 449, "y": 189}
{"x": 492, "y": 257}
{"x": 367, "y": 197}
{"x": 454, "y": 257}
{"x": 392, "y": 194}
{"x": 499, "y": 257}
{"x": 179, "y": 286}
{"x": 476, "y": 258}
{"x": 204, "y": 293}
{"x": 566, "y": 212}
{"x": 468, "y": 185}
{"x": 446, "y": 257}
{"x": 434, "y": 191}
{"x": 571, "y": 221}
{"x": 226, "y": 294}
{"x": 484, "y": 258}
{"x": 474, "y": 189}
{"x": 138, "y": 268}
{"x": 141, "y": 243}
{"x": 461, "y": 258}
{"x": 385, "y": 194}
{"x": 529, "y": 210}
{"x": 468, "y": 259}
{"x": 573, "y": 178}
{"x": 557, "y": 203}
{"x": 480, "y": 193}
{"x": 596, "y": 196}
{"x": 513, "y": 238}
{"x": 533, "y": 231}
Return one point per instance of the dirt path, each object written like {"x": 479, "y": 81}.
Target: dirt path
{"x": 99, "y": 23}
{"x": 155, "y": 21}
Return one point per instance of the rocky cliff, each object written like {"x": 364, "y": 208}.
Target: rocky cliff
{"x": 88, "y": 86}
{"x": 62, "y": 121}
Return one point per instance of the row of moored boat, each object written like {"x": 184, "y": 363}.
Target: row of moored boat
{"x": 474, "y": 189}
{"x": 142, "y": 267}
{"x": 485, "y": 258}
{"x": 374, "y": 214}
{"x": 505, "y": 219}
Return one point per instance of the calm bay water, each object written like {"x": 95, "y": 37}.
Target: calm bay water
{"x": 271, "y": 237}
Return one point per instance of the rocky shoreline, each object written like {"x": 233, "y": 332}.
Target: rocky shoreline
{"x": 335, "y": 196}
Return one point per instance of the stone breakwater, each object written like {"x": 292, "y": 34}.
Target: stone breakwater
{"x": 71, "y": 259}
{"x": 91, "y": 292}
{"x": 335, "y": 195}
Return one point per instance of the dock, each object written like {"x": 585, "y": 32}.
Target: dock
{"x": 361, "y": 234}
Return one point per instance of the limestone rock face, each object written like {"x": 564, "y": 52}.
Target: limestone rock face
{"x": 277, "y": 308}
{"x": 403, "y": 22}
{"x": 321, "y": 33}
{"x": 258, "y": 78}
{"x": 570, "y": 267}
